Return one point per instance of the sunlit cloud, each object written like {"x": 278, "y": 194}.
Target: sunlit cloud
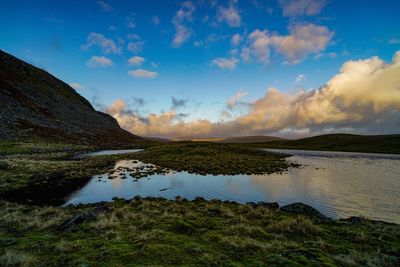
{"x": 301, "y": 7}
{"x": 140, "y": 73}
{"x": 364, "y": 95}
{"x": 225, "y": 63}
{"x": 99, "y": 62}
{"x": 302, "y": 40}
{"x": 104, "y": 6}
{"x": 77, "y": 86}
{"x": 230, "y": 14}
{"x": 136, "y": 61}
{"x": 236, "y": 39}
{"x": 106, "y": 45}
{"x": 181, "y": 18}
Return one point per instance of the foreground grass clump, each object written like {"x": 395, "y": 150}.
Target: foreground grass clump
{"x": 201, "y": 233}
{"x": 211, "y": 158}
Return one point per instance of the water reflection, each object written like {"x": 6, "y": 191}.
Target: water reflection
{"x": 109, "y": 152}
{"x": 338, "y": 184}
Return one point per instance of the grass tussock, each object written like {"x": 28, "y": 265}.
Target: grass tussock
{"x": 16, "y": 258}
{"x": 164, "y": 233}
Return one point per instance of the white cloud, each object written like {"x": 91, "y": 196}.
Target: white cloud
{"x": 303, "y": 39}
{"x": 106, "y": 45}
{"x": 233, "y": 100}
{"x": 99, "y": 61}
{"x": 230, "y": 14}
{"x": 236, "y": 39}
{"x": 364, "y": 96}
{"x": 140, "y": 73}
{"x": 301, "y": 7}
{"x": 135, "y": 47}
{"x": 182, "y": 16}
{"x": 225, "y": 63}
{"x": 300, "y": 78}
{"x": 77, "y": 86}
{"x": 105, "y": 7}
{"x": 136, "y": 61}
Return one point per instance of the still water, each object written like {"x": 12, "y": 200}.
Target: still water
{"x": 109, "y": 152}
{"x": 339, "y": 184}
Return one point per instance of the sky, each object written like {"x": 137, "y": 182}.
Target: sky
{"x": 209, "y": 68}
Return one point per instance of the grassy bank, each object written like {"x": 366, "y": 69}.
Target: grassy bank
{"x": 161, "y": 232}
{"x": 211, "y": 158}
{"x": 340, "y": 142}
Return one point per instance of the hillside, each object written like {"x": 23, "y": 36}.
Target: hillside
{"x": 342, "y": 142}
{"x": 36, "y": 105}
{"x": 239, "y": 139}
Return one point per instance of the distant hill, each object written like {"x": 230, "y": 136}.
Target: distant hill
{"x": 157, "y": 139}
{"x": 239, "y": 139}
{"x": 342, "y": 142}
{"x": 36, "y": 105}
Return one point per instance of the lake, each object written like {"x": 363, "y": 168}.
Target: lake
{"x": 339, "y": 184}
{"x": 108, "y": 152}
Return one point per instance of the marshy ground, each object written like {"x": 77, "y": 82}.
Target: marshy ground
{"x": 154, "y": 231}
{"x": 179, "y": 232}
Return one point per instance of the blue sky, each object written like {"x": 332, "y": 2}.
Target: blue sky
{"x": 185, "y": 50}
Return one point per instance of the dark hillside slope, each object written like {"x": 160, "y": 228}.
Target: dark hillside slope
{"x": 36, "y": 105}
{"x": 342, "y": 142}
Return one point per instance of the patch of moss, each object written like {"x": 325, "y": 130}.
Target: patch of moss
{"x": 210, "y": 158}
{"x": 161, "y": 232}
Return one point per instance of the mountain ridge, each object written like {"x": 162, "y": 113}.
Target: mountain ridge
{"x": 37, "y": 105}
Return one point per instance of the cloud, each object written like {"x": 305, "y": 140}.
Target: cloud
{"x": 177, "y": 103}
{"x": 230, "y": 14}
{"x": 301, "y": 7}
{"x": 364, "y": 97}
{"x": 182, "y": 16}
{"x": 212, "y": 38}
{"x": 155, "y": 20}
{"x": 140, "y": 73}
{"x": 106, "y": 45}
{"x": 302, "y": 40}
{"x": 77, "y": 86}
{"x": 136, "y": 61}
{"x": 394, "y": 41}
{"x": 235, "y": 99}
{"x": 300, "y": 78}
{"x": 130, "y": 21}
{"x": 99, "y": 61}
{"x": 225, "y": 63}
{"x": 236, "y": 39}
{"x": 135, "y": 47}
{"x": 54, "y": 19}
{"x": 105, "y": 7}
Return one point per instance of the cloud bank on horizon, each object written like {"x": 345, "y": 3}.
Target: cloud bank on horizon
{"x": 364, "y": 95}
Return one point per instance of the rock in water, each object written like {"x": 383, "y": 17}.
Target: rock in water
{"x": 301, "y": 208}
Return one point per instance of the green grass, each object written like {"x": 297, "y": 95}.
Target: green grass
{"x": 210, "y": 158}
{"x": 341, "y": 142}
{"x": 46, "y": 172}
{"x": 160, "y": 232}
